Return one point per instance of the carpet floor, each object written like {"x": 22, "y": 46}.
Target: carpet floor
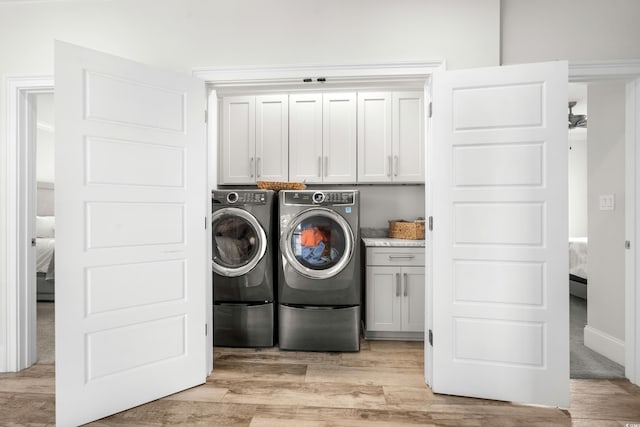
{"x": 46, "y": 332}
{"x": 586, "y": 363}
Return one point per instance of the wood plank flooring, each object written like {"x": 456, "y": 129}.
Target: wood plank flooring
{"x": 380, "y": 386}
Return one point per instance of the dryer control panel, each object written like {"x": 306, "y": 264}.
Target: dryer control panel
{"x": 243, "y": 197}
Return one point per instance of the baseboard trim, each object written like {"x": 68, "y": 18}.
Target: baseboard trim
{"x": 604, "y": 344}
{"x": 388, "y": 335}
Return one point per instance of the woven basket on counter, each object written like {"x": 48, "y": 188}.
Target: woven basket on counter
{"x": 401, "y": 229}
{"x": 280, "y": 185}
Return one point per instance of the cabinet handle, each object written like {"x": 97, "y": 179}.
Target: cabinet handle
{"x": 395, "y": 171}
{"x": 319, "y": 166}
{"x": 397, "y": 284}
{"x": 390, "y": 167}
{"x": 405, "y": 285}
{"x": 251, "y": 167}
{"x": 258, "y": 167}
{"x": 326, "y": 165}
{"x": 394, "y": 257}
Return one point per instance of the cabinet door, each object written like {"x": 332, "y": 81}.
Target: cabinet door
{"x": 272, "y": 138}
{"x": 305, "y": 138}
{"x": 374, "y": 137}
{"x": 408, "y": 137}
{"x": 413, "y": 282}
{"x": 383, "y": 299}
{"x": 238, "y": 145}
{"x": 339, "y": 138}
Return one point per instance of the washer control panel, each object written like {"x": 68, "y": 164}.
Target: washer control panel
{"x": 319, "y": 198}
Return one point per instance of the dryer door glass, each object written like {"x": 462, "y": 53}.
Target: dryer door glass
{"x": 239, "y": 242}
{"x": 319, "y": 243}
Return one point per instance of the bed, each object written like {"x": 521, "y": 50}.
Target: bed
{"x": 45, "y": 242}
{"x": 578, "y": 266}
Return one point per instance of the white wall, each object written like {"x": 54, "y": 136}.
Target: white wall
{"x": 577, "y": 30}
{"x": 381, "y": 203}
{"x": 183, "y": 34}
{"x": 45, "y": 161}
{"x": 606, "y": 145}
{"x": 578, "y": 182}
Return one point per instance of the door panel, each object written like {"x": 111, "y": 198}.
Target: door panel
{"x": 272, "y": 138}
{"x": 305, "y": 138}
{"x": 408, "y": 137}
{"x": 131, "y": 246}
{"x": 499, "y": 244}
{"x": 374, "y": 137}
{"x": 238, "y": 140}
{"x": 339, "y": 137}
{"x": 413, "y": 299}
{"x": 383, "y": 299}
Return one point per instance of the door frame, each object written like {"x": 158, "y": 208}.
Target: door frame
{"x": 18, "y": 328}
{"x": 19, "y": 308}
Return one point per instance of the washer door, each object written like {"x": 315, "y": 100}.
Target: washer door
{"x": 318, "y": 243}
{"x": 239, "y": 242}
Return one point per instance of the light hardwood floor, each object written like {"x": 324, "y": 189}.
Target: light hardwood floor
{"x": 380, "y": 386}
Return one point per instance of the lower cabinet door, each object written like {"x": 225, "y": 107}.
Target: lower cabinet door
{"x": 383, "y": 299}
{"x": 413, "y": 303}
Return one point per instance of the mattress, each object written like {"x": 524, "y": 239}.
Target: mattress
{"x": 45, "y": 256}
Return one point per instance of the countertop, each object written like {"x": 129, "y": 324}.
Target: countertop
{"x": 389, "y": 242}
{"x": 377, "y": 237}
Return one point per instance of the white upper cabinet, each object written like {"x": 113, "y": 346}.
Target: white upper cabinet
{"x": 374, "y": 137}
{"x": 391, "y": 137}
{"x": 238, "y": 145}
{"x": 305, "y": 137}
{"x": 408, "y": 136}
{"x": 322, "y": 138}
{"x": 272, "y": 138}
{"x": 339, "y": 138}
{"x": 255, "y": 139}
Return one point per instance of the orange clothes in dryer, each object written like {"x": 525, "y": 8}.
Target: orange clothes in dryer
{"x": 313, "y": 236}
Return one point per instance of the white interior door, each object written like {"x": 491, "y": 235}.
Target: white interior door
{"x": 131, "y": 252}
{"x": 500, "y": 262}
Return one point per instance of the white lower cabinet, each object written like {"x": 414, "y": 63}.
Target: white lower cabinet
{"x": 395, "y": 293}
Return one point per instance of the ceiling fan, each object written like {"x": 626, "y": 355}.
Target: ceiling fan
{"x": 576, "y": 120}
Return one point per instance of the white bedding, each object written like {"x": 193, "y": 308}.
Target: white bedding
{"x": 578, "y": 256}
{"x": 44, "y": 254}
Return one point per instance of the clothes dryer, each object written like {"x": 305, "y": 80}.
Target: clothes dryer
{"x": 319, "y": 284}
{"x": 242, "y": 225}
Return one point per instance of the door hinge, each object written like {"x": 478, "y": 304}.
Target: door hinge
{"x": 627, "y": 244}
{"x": 206, "y": 329}
{"x": 430, "y": 337}
{"x": 205, "y": 222}
{"x": 430, "y": 109}
{"x": 33, "y": 241}
{"x": 430, "y": 223}
{"x": 206, "y": 116}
